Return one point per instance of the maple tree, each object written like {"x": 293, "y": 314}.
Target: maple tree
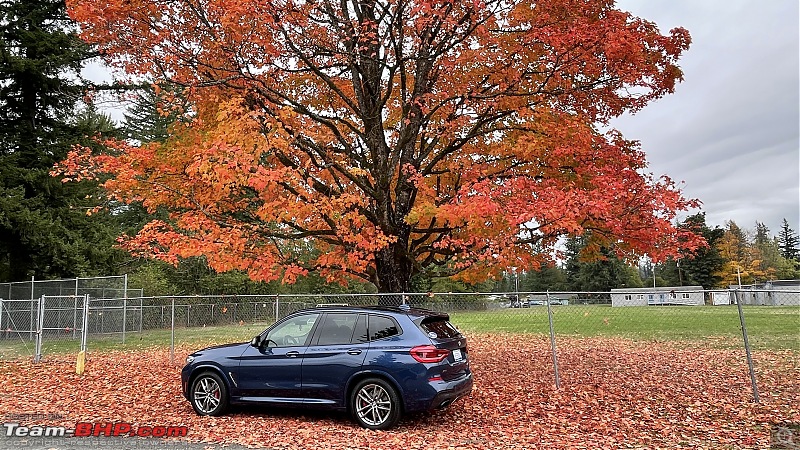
{"x": 381, "y": 139}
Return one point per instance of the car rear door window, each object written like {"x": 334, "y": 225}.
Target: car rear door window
{"x": 381, "y": 327}
{"x": 337, "y": 329}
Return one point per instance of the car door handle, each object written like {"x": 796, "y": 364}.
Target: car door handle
{"x": 354, "y": 351}
{"x": 292, "y": 354}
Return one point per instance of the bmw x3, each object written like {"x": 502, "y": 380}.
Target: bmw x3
{"x": 377, "y": 363}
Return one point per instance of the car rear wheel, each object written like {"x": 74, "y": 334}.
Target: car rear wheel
{"x": 375, "y": 404}
{"x": 209, "y": 395}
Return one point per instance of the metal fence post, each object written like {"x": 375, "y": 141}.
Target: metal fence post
{"x": 553, "y": 342}
{"x": 74, "y": 315}
{"x": 39, "y": 325}
{"x": 124, "y": 306}
{"x": 124, "y": 317}
{"x": 172, "y": 335}
{"x": 30, "y": 333}
{"x": 141, "y": 313}
{"x": 277, "y": 297}
{"x": 747, "y": 349}
{"x": 85, "y": 324}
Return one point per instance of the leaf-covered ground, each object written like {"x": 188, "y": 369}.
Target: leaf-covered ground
{"x": 614, "y": 394}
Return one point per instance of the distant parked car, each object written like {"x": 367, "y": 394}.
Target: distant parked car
{"x": 375, "y": 362}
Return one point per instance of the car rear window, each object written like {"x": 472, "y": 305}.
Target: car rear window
{"x": 439, "y": 326}
{"x": 382, "y": 327}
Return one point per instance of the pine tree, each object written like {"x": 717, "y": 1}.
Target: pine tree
{"x": 44, "y": 230}
{"x": 700, "y": 267}
{"x": 600, "y": 275}
{"x": 149, "y": 117}
{"x": 789, "y": 242}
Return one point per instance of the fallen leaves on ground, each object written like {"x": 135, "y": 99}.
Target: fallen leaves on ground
{"x": 614, "y": 394}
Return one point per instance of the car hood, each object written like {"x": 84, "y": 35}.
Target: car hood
{"x": 229, "y": 350}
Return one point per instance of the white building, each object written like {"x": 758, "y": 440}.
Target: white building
{"x": 720, "y": 298}
{"x": 770, "y": 293}
{"x": 651, "y": 296}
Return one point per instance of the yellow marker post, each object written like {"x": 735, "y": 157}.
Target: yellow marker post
{"x": 80, "y": 364}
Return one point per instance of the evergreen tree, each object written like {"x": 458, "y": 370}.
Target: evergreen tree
{"x": 44, "y": 228}
{"x": 547, "y": 278}
{"x": 762, "y": 237}
{"x": 608, "y": 272}
{"x": 789, "y": 242}
{"x": 767, "y": 254}
{"x": 702, "y": 267}
{"x": 149, "y": 117}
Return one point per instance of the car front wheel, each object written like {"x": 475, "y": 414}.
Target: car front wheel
{"x": 375, "y": 404}
{"x": 209, "y": 395}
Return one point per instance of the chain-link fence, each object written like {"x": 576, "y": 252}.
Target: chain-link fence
{"x": 61, "y": 325}
{"x": 49, "y": 324}
{"x": 657, "y": 318}
{"x": 19, "y": 322}
{"x": 95, "y": 287}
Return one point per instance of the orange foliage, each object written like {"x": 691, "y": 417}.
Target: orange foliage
{"x": 392, "y": 137}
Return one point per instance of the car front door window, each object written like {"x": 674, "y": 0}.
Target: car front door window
{"x": 293, "y": 332}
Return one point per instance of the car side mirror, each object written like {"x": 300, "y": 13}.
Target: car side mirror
{"x": 256, "y": 341}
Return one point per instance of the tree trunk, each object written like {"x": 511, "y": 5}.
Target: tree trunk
{"x": 393, "y": 271}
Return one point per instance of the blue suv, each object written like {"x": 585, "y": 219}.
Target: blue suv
{"x": 374, "y": 362}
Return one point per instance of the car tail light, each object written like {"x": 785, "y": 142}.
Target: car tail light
{"x": 429, "y": 354}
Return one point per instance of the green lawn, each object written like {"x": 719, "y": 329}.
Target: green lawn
{"x": 193, "y": 337}
{"x": 768, "y": 328}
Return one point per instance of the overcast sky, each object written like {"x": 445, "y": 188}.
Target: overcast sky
{"x": 731, "y": 130}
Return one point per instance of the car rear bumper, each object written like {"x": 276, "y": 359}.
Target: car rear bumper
{"x": 445, "y": 393}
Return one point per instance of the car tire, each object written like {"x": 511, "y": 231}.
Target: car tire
{"x": 375, "y": 404}
{"x": 209, "y": 394}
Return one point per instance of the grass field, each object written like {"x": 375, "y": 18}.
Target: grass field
{"x": 768, "y": 328}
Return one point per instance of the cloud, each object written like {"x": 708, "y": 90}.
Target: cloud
{"x": 732, "y": 129}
